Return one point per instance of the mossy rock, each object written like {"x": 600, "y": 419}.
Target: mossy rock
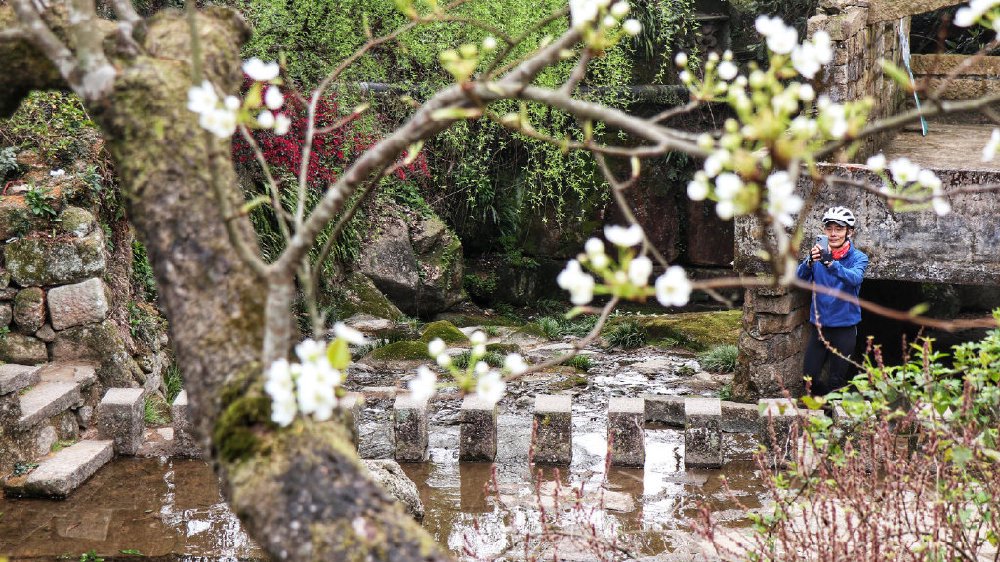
{"x": 533, "y": 329}
{"x": 464, "y": 319}
{"x": 697, "y": 331}
{"x": 401, "y": 351}
{"x": 76, "y": 221}
{"x": 444, "y": 330}
{"x": 359, "y": 295}
{"x": 503, "y": 348}
{"x": 571, "y": 381}
{"x": 38, "y": 261}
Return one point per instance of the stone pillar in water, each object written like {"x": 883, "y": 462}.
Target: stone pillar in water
{"x": 553, "y": 429}
{"x": 625, "y": 431}
{"x": 409, "y": 420}
{"x": 772, "y": 343}
{"x": 120, "y": 417}
{"x": 778, "y": 420}
{"x": 478, "y": 434}
{"x": 702, "y": 432}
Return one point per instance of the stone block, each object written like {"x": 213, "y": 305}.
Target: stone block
{"x": 6, "y": 314}
{"x": 185, "y": 443}
{"x": 702, "y": 432}
{"x": 29, "y": 309}
{"x": 664, "y": 409}
{"x": 783, "y": 304}
{"x": 478, "y": 432}
{"x": 46, "y": 333}
{"x": 77, "y": 304}
{"x": 844, "y": 25}
{"x": 626, "y": 433}
{"x": 38, "y": 262}
{"x": 409, "y": 420}
{"x": 779, "y": 323}
{"x": 46, "y": 400}
{"x": 774, "y": 347}
{"x": 738, "y": 417}
{"x": 58, "y": 476}
{"x": 120, "y": 417}
{"x": 553, "y": 425}
{"x": 779, "y": 420}
{"x": 15, "y": 377}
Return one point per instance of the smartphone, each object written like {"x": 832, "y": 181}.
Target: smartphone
{"x": 825, "y": 255}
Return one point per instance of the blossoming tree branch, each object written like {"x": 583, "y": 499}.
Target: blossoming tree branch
{"x": 163, "y": 91}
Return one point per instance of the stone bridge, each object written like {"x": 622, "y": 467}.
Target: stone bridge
{"x": 962, "y": 247}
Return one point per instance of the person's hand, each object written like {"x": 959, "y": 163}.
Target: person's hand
{"x": 815, "y": 253}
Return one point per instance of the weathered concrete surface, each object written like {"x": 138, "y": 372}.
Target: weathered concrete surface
{"x": 738, "y": 417}
{"x": 664, "y": 409}
{"x": 120, "y": 417}
{"x": 779, "y": 422}
{"x": 410, "y": 428}
{"x": 702, "y": 432}
{"x": 626, "y": 432}
{"x": 77, "y": 304}
{"x": 553, "y": 425}
{"x": 46, "y": 400}
{"x": 390, "y": 476}
{"x": 889, "y": 10}
{"x": 62, "y": 473}
{"x": 478, "y": 433}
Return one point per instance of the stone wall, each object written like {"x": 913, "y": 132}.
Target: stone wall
{"x": 972, "y": 78}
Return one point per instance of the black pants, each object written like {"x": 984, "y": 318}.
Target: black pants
{"x": 817, "y": 353}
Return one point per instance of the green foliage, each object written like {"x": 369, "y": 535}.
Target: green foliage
{"x": 492, "y": 358}
{"x": 143, "y": 280}
{"x": 626, "y": 334}
{"x": 91, "y": 556}
{"x": 131, "y": 552}
{"x": 62, "y": 444}
{"x": 155, "y": 411}
{"x": 556, "y": 327}
{"x": 726, "y": 392}
{"x": 8, "y": 161}
{"x": 481, "y": 288}
{"x": 444, "y": 330}
{"x": 4, "y": 330}
{"x": 54, "y": 124}
{"x": 144, "y": 322}
{"x": 581, "y": 362}
{"x": 173, "y": 381}
{"x": 22, "y": 468}
{"x": 402, "y": 350}
{"x": 39, "y": 201}
{"x": 719, "y": 359}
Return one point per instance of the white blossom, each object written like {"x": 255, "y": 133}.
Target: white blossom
{"x": 436, "y": 347}
{"x": 582, "y": 12}
{"x": 725, "y": 209}
{"x": 593, "y": 247}
{"x": 697, "y": 189}
{"x": 477, "y": 338}
{"x": 278, "y": 380}
{"x": 625, "y": 237}
{"x": 481, "y": 368}
{"x": 639, "y": 271}
{"x": 728, "y": 70}
{"x": 929, "y": 179}
{"x": 941, "y": 206}
{"x": 310, "y": 350}
{"x": 232, "y": 103}
{"x": 349, "y": 334}
{"x": 780, "y": 38}
{"x": 515, "y": 363}
{"x": 423, "y": 386}
{"x": 314, "y": 396}
{"x": 489, "y": 43}
{"x": 976, "y": 9}
{"x": 479, "y": 350}
{"x": 632, "y": 27}
{"x": 579, "y": 284}
{"x": 282, "y": 124}
{"x": 715, "y": 162}
{"x": 619, "y": 9}
{"x": 202, "y": 99}
{"x": 491, "y": 387}
{"x": 443, "y": 360}
{"x": 727, "y": 186}
{"x": 990, "y": 150}
{"x": 284, "y": 409}
{"x": 273, "y": 98}
{"x": 259, "y": 70}
{"x": 681, "y": 59}
{"x": 903, "y": 171}
{"x": 673, "y": 288}
{"x": 265, "y": 119}
{"x": 220, "y": 121}
{"x": 810, "y": 56}
{"x": 782, "y": 201}
{"x": 806, "y": 92}
{"x": 877, "y": 163}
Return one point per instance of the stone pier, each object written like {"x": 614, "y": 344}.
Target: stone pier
{"x": 410, "y": 428}
{"x": 120, "y": 417}
{"x": 478, "y": 434}
{"x": 779, "y": 422}
{"x": 553, "y": 430}
{"x": 664, "y": 409}
{"x": 703, "y": 433}
{"x": 625, "y": 431}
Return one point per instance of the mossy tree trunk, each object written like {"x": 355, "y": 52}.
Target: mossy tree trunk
{"x": 300, "y": 492}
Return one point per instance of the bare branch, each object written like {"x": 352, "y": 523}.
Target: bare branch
{"x": 668, "y": 114}
{"x": 914, "y": 199}
{"x": 273, "y": 187}
{"x": 45, "y": 40}
{"x": 126, "y": 12}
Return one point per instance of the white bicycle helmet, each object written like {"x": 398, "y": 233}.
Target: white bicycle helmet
{"x": 840, "y": 215}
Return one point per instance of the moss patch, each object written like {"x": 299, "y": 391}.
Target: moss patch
{"x": 533, "y": 329}
{"x": 503, "y": 348}
{"x": 401, "y": 351}
{"x": 697, "y": 331}
{"x": 360, "y": 296}
{"x": 444, "y": 330}
{"x": 464, "y": 320}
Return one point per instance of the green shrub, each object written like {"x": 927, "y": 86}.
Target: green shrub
{"x": 492, "y": 358}
{"x": 155, "y": 411}
{"x": 626, "y": 334}
{"x": 173, "y": 381}
{"x": 720, "y": 359}
{"x": 581, "y": 362}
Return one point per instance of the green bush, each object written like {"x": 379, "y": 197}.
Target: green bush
{"x": 719, "y": 359}
{"x": 626, "y": 334}
{"x": 581, "y": 362}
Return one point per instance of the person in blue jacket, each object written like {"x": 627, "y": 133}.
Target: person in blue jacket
{"x": 833, "y": 319}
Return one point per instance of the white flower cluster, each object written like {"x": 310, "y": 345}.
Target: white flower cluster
{"x": 487, "y": 383}
{"x": 990, "y": 150}
{"x": 221, "y": 116}
{"x": 309, "y": 386}
{"x": 781, "y": 39}
{"x": 979, "y": 11}
{"x": 628, "y": 277}
{"x": 907, "y": 178}
{"x": 584, "y": 13}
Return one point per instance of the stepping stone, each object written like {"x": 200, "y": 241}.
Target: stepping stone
{"x": 553, "y": 423}
{"x": 626, "y": 432}
{"x": 738, "y": 417}
{"x": 46, "y": 400}
{"x": 185, "y": 444}
{"x": 82, "y": 374}
{"x": 15, "y": 377}
{"x": 478, "y": 432}
{"x": 120, "y": 417}
{"x": 664, "y": 409}
{"x": 410, "y": 428}
{"x": 60, "y": 474}
{"x": 703, "y": 433}
{"x": 781, "y": 415}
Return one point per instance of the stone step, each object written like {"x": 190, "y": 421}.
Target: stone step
{"x": 83, "y": 374}
{"x": 15, "y": 377}
{"x": 58, "y": 475}
{"x": 45, "y": 400}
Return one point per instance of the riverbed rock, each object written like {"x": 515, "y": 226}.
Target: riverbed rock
{"x": 390, "y": 476}
{"x": 29, "y": 309}
{"x": 416, "y": 261}
{"x": 80, "y": 303}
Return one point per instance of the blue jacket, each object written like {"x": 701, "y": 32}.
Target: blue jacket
{"x": 844, "y": 275}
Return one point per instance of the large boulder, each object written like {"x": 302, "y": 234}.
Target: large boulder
{"x": 103, "y": 344}
{"x": 416, "y": 261}
{"x": 390, "y": 476}
{"x": 39, "y": 261}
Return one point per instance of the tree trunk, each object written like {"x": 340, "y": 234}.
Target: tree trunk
{"x": 301, "y": 491}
